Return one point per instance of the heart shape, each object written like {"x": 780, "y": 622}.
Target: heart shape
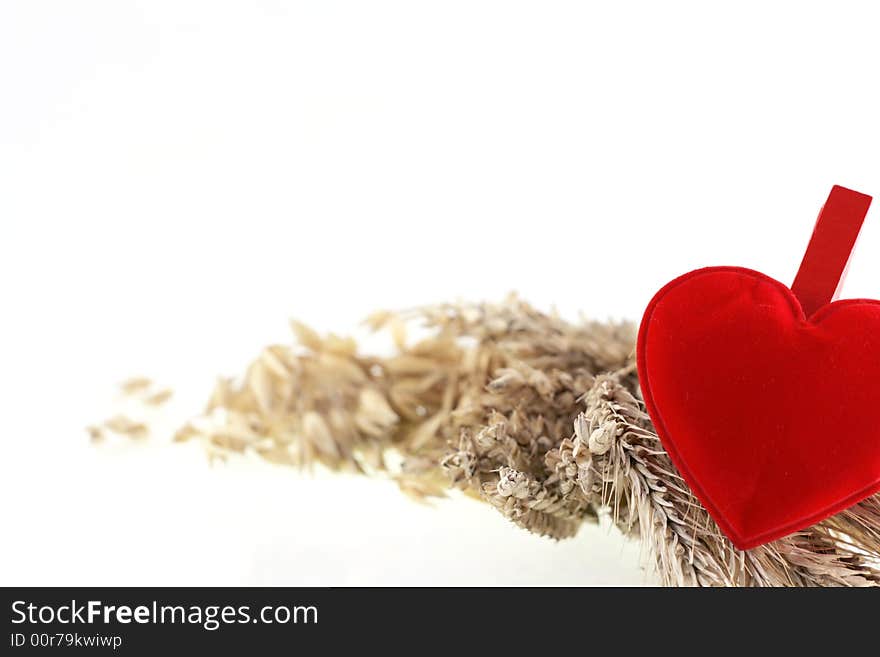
{"x": 772, "y": 418}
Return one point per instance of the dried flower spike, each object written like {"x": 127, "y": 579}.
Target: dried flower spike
{"x": 539, "y": 417}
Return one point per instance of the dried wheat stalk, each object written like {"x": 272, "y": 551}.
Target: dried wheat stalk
{"x": 539, "y": 417}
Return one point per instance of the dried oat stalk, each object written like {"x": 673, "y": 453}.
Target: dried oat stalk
{"x": 539, "y": 417}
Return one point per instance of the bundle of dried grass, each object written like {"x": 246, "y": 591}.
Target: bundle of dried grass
{"x": 539, "y": 417}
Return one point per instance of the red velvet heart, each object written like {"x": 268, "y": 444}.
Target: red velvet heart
{"x": 771, "y": 418}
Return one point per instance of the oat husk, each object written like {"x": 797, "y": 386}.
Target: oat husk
{"x": 146, "y": 394}
{"x": 540, "y": 418}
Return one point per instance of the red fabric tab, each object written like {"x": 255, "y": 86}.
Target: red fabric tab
{"x": 834, "y": 236}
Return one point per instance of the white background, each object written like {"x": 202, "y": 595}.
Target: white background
{"x": 177, "y": 179}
